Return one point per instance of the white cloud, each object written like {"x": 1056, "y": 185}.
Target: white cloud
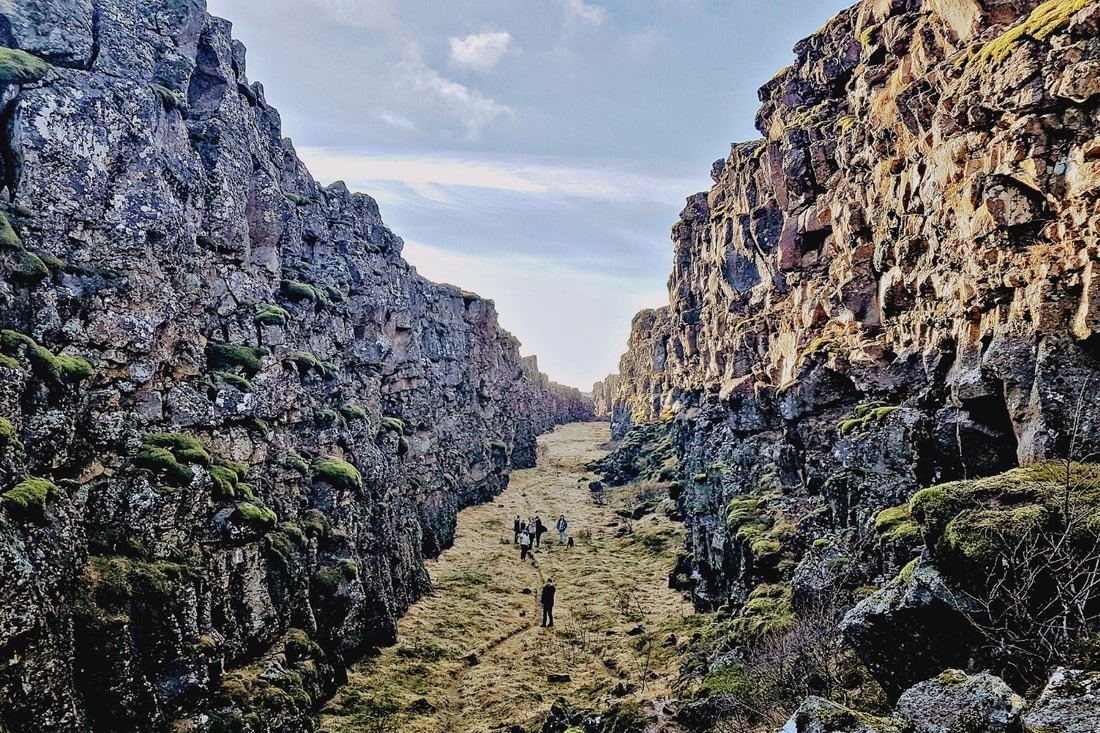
{"x": 360, "y": 13}
{"x": 470, "y": 108}
{"x": 579, "y": 10}
{"x": 393, "y": 119}
{"x": 479, "y": 51}
{"x": 523, "y": 174}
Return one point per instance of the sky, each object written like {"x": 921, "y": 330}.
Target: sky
{"x": 536, "y": 152}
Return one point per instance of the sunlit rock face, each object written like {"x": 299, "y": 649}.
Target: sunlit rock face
{"x": 895, "y": 286}
{"x": 253, "y": 417}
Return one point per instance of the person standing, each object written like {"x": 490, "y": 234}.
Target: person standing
{"x": 517, "y": 525}
{"x": 562, "y": 525}
{"x": 547, "y": 599}
{"x": 524, "y": 544}
{"x": 540, "y": 529}
{"x": 531, "y": 533}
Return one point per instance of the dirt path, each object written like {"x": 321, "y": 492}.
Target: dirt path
{"x": 613, "y": 617}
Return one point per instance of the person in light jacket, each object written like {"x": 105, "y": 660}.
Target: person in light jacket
{"x": 524, "y": 544}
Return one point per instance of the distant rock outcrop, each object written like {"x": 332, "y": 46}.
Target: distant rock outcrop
{"x": 233, "y": 420}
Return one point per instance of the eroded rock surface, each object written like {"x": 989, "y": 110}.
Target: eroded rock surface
{"x": 253, "y": 419}
{"x": 894, "y": 287}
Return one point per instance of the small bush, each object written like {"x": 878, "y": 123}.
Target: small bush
{"x": 225, "y": 357}
{"x": 7, "y": 431}
{"x": 20, "y": 67}
{"x": 162, "y": 463}
{"x": 31, "y": 493}
{"x": 339, "y": 473}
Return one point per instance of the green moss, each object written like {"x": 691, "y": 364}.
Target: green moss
{"x": 185, "y": 448}
{"x": 29, "y": 268}
{"x": 316, "y": 524}
{"x": 335, "y": 294}
{"x": 13, "y": 341}
{"x": 393, "y": 424}
{"x": 31, "y": 493}
{"x": 8, "y": 238}
{"x": 336, "y": 472}
{"x": 225, "y": 482}
{"x": 298, "y": 646}
{"x": 167, "y": 98}
{"x": 8, "y": 362}
{"x": 54, "y": 263}
{"x": 20, "y": 67}
{"x": 328, "y": 580}
{"x": 272, "y": 315}
{"x": 235, "y": 381}
{"x": 295, "y": 462}
{"x": 298, "y": 199}
{"x": 765, "y": 547}
{"x": 349, "y": 568}
{"x": 162, "y": 463}
{"x": 906, "y": 573}
{"x": 327, "y": 418}
{"x": 867, "y": 416}
{"x": 402, "y": 445}
{"x": 7, "y": 431}
{"x": 742, "y": 510}
{"x": 226, "y": 357}
{"x": 699, "y": 478}
{"x": 255, "y": 513}
{"x": 353, "y": 412}
{"x": 307, "y": 362}
{"x": 118, "y": 580}
{"x": 766, "y": 612}
{"x": 1044, "y": 21}
{"x": 298, "y": 292}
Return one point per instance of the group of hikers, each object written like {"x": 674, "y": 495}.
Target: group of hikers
{"x": 529, "y": 534}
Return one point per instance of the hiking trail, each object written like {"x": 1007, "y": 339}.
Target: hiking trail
{"x": 615, "y": 615}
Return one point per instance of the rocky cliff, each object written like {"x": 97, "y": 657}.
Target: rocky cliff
{"x": 233, "y": 420}
{"x": 895, "y": 287}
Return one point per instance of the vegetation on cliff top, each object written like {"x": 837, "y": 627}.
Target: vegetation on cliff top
{"x": 20, "y": 67}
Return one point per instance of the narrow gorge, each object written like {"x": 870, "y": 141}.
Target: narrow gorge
{"x": 853, "y": 477}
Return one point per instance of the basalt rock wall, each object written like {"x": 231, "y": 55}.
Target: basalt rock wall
{"x": 896, "y": 286}
{"x": 233, "y": 420}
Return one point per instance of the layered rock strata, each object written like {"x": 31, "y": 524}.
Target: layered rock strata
{"x": 894, "y": 287}
{"x": 233, "y": 420}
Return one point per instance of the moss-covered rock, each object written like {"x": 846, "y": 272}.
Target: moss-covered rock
{"x": 226, "y": 357}
{"x": 272, "y": 315}
{"x": 337, "y": 472}
{"x": 20, "y": 67}
{"x": 8, "y": 238}
{"x": 30, "y": 494}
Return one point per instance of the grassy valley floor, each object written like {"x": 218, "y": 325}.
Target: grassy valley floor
{"x": 472, "y": 656}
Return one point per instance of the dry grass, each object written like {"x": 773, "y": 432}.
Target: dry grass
{"x": 615, "y": 579}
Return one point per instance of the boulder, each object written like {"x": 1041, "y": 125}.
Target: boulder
{"x": 957, "y": 702}
{"x": 818, "y": 715}
{"x": 910, "y": 629}
{"x": 1069, "y": 704}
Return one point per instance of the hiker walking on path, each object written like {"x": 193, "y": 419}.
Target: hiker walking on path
{"x": 547, "y": 601}
{"x": 517, "y": 525}
{"x": 562, "y": 525}
{"x": 524, "y": 543}
{"x": 531, "y": 533}
{"x": 540, "y": 529}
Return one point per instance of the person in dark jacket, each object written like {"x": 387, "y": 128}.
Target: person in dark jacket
{"x": 562, "y": 525}
{"x": 547, "y": 600}
{"x": 540, "y": 530}
{"x": 517, "y": 525}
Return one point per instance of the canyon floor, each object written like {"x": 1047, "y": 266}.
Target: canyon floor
{"x": 614, "y": 617}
